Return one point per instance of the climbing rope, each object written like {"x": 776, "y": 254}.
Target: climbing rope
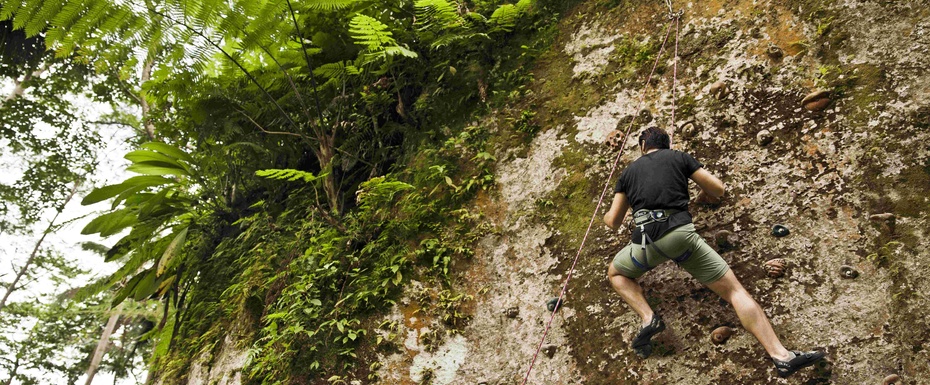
{"x": 672, "y": 17}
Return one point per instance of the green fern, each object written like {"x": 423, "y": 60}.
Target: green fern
{"x": 436, "y": 15}
{"x": 370, "y": 33}
{"x": 377, "y": 39}
{"x": 504, "y": 17}
{"x": 288, "y": 174}
{"x": 39, "y": 21}
{"x": 9, "y": 8}
{"x": 330, "y": 5}
{"x": 338, "y": 70}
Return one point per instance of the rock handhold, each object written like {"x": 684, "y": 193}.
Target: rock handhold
{"x": 883, "y": 217}
{"x": 554, "y": 304}
{"x": 780, "y": 230}
{"x": 615, "y": 138}
{"x": 721, "y": 335}
{"x": 687, "y": 129}
{"x": 549, "y": 350}
{"x": 892, "y": 379}
{"x": 848, "y": 272}
{"x": 764, "y": 137}
{"x": 512, "y": 312}
{"x": 719, "y": 89}
{"x": 725, "y": 240}
{"x": 774, "y": 52}
{"x": 816, "y": 101}
{"x": 776, "y": 267}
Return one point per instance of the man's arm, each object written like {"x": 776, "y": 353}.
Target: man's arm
{"x": 618, "y": 209}
{"x": 708, "y": 183}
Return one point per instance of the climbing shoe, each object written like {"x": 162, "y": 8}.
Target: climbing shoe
{"x": 642, "y": 344}
{"x": 801, "y": 360}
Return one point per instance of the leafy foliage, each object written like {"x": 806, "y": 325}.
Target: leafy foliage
{"x": 354, "y": 99}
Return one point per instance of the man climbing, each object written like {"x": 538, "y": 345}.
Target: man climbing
{"x": 656, "y": 186}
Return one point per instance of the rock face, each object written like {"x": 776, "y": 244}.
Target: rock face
{"x": 745, "y": 65}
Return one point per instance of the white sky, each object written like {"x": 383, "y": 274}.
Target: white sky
{"x": 15, "y": 249}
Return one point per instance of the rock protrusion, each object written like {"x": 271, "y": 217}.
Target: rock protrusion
{"x": 774, "y": 53}
{"x": 512, "y": 312}
{"x": 725, "y": 240}
{"x": 816, "y": 101}
{"x": 764, "y": 137}
{"x": 615, "y": 138}
{"x": 721, "y": 335}
{"x": 848, "y": 272}
{"x": 780, "y": 230}
{"x": 776, "y": 267}
{"x": 719, "y": 90}
{"x": 892, "y": 379}
{"x": 687, "y": 129}
{"x": 549, "y": 350}
{"x": 554, "y": 304}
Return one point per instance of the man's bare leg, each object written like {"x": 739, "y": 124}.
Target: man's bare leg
{"x": 631, "y": 292}
{"x": 750, "y": 314}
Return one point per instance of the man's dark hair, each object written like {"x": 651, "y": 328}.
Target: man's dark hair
{"x": 654, "y": 137}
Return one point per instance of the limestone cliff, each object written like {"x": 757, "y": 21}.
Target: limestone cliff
{"x": 829, "y": 175}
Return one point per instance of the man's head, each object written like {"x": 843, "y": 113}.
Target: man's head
{"x": 654, "y": 138}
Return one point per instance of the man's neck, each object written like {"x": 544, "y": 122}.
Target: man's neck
{"x": 651, "y": 150}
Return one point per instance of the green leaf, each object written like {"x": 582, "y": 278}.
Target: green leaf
{"x": 111, "y": 223}
{"x": 316, "y": 302}
{"x": 146, "y": 286}
{"x": 172, "y": 250}
{"x": 169, "y": 150}
{"x": 142, "y": 156}
{"x": 330, "y": 5}
{"x": 106, "y": 192}
{"x": 153, "y": 168}
{"x": 124, "y": 292}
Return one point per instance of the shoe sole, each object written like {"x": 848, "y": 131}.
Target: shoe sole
{"x": 644, "y": 350}
{"x": 795, "y": 370}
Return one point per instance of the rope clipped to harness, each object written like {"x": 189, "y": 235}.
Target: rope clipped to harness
{"x": 672, "y": 17}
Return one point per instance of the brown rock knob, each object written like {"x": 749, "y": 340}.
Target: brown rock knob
{"x": 816, "y": 101}
{"x": 721, "y": 334}
{"x": 719, "y": 89}
{"x": 776, "y": 267}
{"x": 892, "y": 379}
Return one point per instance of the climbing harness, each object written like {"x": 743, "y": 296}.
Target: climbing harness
{"x": 643, "y": 217}
{"x": 673, "y": 16}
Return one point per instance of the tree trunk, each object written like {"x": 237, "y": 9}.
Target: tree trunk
{"x": 35, "y": 250}
{"x": 13, "y": 372}
{"x": 146, "y": 108}
{"x": 18, "y": 88}
{"x": 327, "y": 153}
{"x": 102, "y": 345}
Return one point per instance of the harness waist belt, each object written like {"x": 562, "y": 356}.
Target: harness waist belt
{"x": 644, "y": 217}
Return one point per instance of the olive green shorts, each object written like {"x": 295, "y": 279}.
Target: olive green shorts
{"x": 680, "y": 243}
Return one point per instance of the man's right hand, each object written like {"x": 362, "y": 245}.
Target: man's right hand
{"x": 705, "y": 199}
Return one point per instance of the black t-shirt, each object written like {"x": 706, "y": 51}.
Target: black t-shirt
{"x": 659, "y": 181}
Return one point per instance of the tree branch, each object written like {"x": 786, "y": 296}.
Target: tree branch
{"x": 236, "y": 62}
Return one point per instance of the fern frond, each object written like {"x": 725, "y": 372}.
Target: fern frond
{"x": 370, "y": 33}
{"x": 22, "y": 15}
{"x": 288, "y": 174}
{"x": 338, "y": 70}
{"x": 524, "y": 6}
{"x": 399, "y": 50}
{"x": 9, "y": 8}
{"x": 69, "y": 14}
{"x": 504, "y": 17}
{"x": 453, "y": 38}
{"x": 436, "y": 15}
{"x": 39, "y": 21}
{"x": 330, "y": 5}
